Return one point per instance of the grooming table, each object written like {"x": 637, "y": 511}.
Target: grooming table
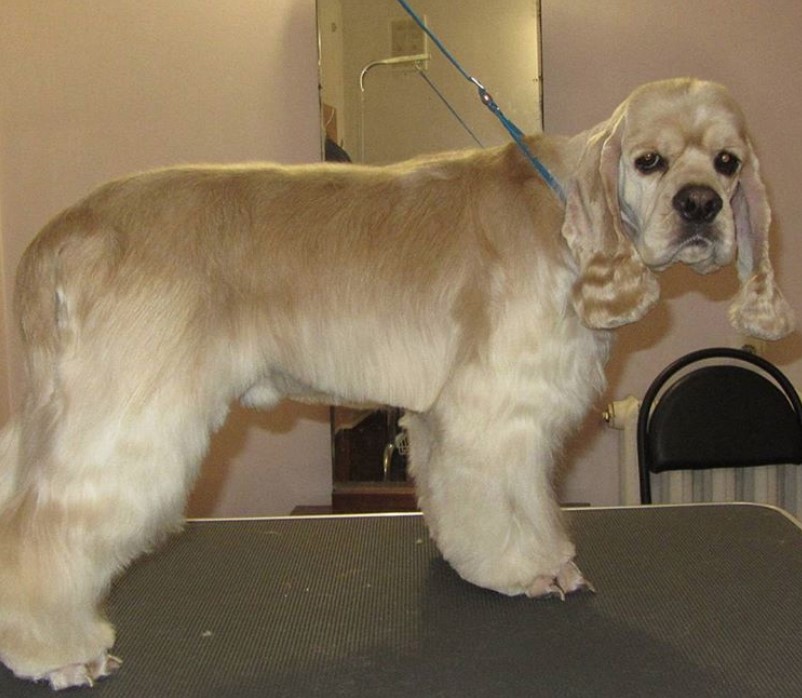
{"x": 692, "y": 601}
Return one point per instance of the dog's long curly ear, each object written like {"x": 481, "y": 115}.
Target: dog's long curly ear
{"x": 759, "y": 309}
{"x": 614, "y": 287}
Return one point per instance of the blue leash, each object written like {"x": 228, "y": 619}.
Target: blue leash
{"x": 489, "y": 102}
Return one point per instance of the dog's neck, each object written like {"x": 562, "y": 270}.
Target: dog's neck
{"x": 561, "y": 154}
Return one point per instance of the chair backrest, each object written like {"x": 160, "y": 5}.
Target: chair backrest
{"x": 737, "y": 411}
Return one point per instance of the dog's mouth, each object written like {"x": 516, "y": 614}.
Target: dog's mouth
{"x": 699, "y": 248}
{"x": 696, "y": 242}
{"x": 699, "y": 238}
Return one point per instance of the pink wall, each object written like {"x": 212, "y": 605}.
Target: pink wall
{"x": 594, "y": 53}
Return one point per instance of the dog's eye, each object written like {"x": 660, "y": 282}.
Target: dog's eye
{"x": 650, "y": 162}
{"x": 726, "y": 163}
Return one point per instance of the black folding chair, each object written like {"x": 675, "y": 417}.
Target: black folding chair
{"x": 717, "y": 408}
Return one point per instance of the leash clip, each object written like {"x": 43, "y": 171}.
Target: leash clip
{"x": 488, "y": 101}
{"x": 486, "y": 97}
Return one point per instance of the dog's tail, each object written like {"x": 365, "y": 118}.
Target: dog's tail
{"x": 55, "y": 267}
{"x": 9, "y": 460}
{"x": 36, "y": 310}
{"x": 51, "y": 294}
{"x": 35, "y": 313}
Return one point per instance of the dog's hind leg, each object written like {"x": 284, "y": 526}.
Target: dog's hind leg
{"x": 105, "y": 466}
{"x": 131, "y": 363}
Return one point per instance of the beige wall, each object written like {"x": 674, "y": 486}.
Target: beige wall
{"x": 94, "y": 89}
{"x": 594, "y": 53}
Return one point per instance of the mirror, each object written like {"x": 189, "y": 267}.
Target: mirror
{"x": 387, "y": 94}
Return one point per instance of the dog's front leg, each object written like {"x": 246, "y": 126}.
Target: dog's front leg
{"x": 482, "y": 466}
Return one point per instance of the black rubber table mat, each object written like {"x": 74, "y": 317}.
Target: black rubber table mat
{"x": 692, "y": 601}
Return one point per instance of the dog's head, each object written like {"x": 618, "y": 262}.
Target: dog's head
{"x": 671, "y": 177}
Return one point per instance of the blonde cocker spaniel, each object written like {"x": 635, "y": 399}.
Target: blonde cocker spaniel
{"x": 458, "y": 287}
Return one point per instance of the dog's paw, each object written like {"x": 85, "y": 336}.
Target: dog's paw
{"x": 74, "y": 675}
{"x": 568, "y": 580}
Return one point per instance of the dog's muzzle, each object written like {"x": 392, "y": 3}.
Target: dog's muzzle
{"x": 698, "y": 237}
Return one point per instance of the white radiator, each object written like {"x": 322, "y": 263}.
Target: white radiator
{"x": 778, "y": 485}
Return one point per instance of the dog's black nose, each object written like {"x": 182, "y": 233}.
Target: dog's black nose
{"x": 697, "y": 204}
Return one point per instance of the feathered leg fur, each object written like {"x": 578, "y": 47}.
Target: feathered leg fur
{"x": 483, "y": 458}
{"x": 97, "y": 466}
